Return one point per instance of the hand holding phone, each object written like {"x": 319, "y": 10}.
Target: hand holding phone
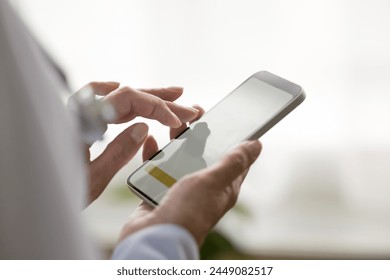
{"x": 245, "y": 114}
{"x": 198, "y": 201}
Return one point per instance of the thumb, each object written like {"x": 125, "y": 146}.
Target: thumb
{"x": 115, "y": 156}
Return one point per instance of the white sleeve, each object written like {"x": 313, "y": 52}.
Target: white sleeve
{"x": 42, "y": 168}
{"x": 162, "y": 242}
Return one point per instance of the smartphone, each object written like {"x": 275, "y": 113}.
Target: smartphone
{"x": 245, "y": 114}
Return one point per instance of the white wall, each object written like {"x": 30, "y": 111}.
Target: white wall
{"x": 322, "y": 184}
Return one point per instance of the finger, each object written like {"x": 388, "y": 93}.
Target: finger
{"x": 115, "y": 156}
{"x": 150, "y": 148}
{"x": 201, "y": 112}
{"x": 238, "y": 181}
{"x": 142, "y": 209}
{"x": 130, "y": 103}
{"x": 167, "y": 94}
{"x": 234, "y": 190}
{"x": 185, "y": 114}
{"x": 174, "y": 132}
{"x": 234, "y": 163}
{"x": 243, "y": 176}
{"x": 87, "y": 152}
{"x": 100, "y": 88}
{"x": 143, "y": 206}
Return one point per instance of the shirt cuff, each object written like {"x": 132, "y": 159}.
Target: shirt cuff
{"x": 164, "y": 241}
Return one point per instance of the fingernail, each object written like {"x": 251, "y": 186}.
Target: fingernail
{"x": 139, "y": 132}
{"x": 255, "y": 147}
{"x": 177, "y": 123}
{"x": 113, "y": 83}
{"x": 176, "y": 89}
{"x": 193, "y": 110}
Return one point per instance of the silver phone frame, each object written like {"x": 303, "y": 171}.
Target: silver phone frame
{"x": 295, "y": 90}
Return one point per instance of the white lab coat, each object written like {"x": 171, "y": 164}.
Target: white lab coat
{"x": 42, "y": 169}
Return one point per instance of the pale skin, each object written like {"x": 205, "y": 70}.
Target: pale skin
{"x": 129, "y": 103}
{"x": 202, "y": 197}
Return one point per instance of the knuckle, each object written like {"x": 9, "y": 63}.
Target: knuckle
{"x": 238, "y": 161}
{"x": 116, "y": 152}
{"x": 232, "y": 197}
{"x": 126, "y": 89}
{"x": 232, "y": 200}
{"x": 159, "y": 104}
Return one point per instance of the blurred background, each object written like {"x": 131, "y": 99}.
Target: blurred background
{"x": 321, "y": 188}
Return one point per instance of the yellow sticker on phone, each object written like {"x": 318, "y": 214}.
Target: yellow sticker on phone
{"x": 160, "y": 175}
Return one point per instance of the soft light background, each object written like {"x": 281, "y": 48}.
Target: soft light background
{"x": 321, "y": 187}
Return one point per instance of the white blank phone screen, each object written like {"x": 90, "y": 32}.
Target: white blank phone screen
{"x": 230, "y": 122}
